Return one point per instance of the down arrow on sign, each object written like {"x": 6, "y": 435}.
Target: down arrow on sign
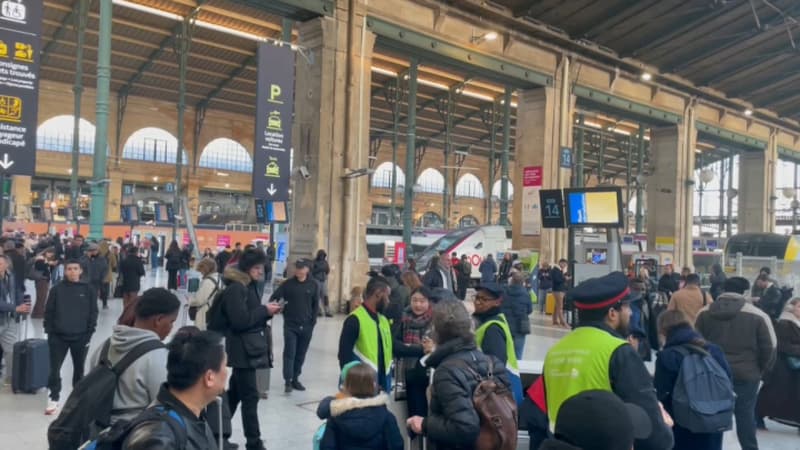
{"x": 5, "y": 163}
{"x": 271, "y": 191}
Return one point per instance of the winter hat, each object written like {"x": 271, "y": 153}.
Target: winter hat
{"x": 250, "y": 259}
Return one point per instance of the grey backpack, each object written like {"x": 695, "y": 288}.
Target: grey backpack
{"x": 703, "y": 397}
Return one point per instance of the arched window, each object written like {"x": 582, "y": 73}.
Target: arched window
{"x": 496, "y": 189}
{"x": 431, "y": 181}
{"x": 55, "y": 135}
{"x": 226, "y": 154}
{"x": 431, "y": 220}
{"x": 468, "y": 221}
{"x": 469, "y": 186}
{"x": 382, "y": 178}
{"x": 153, "y": 145}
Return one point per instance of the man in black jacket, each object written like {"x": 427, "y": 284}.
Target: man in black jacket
{"x": 245, "y": 321}
{"x": 70, "y": 319}
{"x": 95, "y": 269}
{"x": 196, "y": 375}
{"x": 17, "y": 258}
{"x": 300, "y": 310}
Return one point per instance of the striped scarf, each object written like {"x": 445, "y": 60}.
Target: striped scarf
{"x": 415, "y": 327}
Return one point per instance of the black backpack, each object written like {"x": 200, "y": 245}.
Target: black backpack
{"x": 113, "y": 438}
{"x": 215, "y": 316}
{"x": 92, "y": 399}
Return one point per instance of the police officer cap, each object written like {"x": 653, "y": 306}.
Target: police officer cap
{"x": 494, "y": 289}
{"x": 603, "y": 292}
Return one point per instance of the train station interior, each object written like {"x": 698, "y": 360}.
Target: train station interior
{"x": 410, "y": 119}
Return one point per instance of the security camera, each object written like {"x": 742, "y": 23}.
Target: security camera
{"x": 304, "y": 172}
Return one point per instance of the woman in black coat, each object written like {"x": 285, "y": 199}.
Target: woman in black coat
{"x": 452, "y": 421}
{"x": 174, "y": 263}
{"x": 779, "y": 398}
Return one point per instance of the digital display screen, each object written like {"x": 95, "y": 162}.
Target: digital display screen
{"x": 594, "y": 207}
{"x": 261, "y": 214}
{"x": 276, "y": 212}
{"x": 552, "y": 208}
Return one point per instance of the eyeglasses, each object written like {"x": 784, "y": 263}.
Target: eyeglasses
{"x": 483, "y": 298}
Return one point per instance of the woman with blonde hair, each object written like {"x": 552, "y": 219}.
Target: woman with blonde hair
{"x": 200, "y": 301}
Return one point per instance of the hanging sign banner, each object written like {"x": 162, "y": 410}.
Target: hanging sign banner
{"x": 20, "y": 30}
{"x": 531, "y": 215}
{"x": 274, "y": 111}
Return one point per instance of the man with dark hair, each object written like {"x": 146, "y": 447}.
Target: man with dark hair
{"x": 745, "y": 334}
{"x": 12, "y": 306}
{"x": 301, "y": 296}
{"x": 196, "y": 375}
{"x": 243, "y": 320}
{"x": 366, "y": 333}
{"x": 138, "y": 386}
{"x": 771, "y": 299}
{"x": 690, "y": 299}
{"x": 595, "y": 356}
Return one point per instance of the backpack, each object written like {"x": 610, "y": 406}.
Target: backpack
{"x": 497, "y": 411}
{"x": 215, "y": 317}
{"x": 703, "y": 397}
{"x": 113, "y": 438}
{"x": 193, "y": 309}
{"x": 92, "y": 399}
{"x": 30, "y": 270}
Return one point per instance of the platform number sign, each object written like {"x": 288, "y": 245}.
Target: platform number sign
{"x": 552, "y": 201}
{"x": 566, "y": 158}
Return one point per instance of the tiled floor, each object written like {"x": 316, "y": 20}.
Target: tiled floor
{"x": 287, "y": 421}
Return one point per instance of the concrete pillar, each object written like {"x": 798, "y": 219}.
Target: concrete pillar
{"x": 114, "y": 193}
{"x": 757, "y": 189}
{"x": 331, "y": 137}
{"x": 670, "y": 190}
{"x": 193, "y": 195}
{"x": 539, "y": 116}
{"x": 21, "y": 195}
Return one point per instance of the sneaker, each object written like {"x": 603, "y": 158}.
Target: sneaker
{"x": 228, "y": 445}
{"x": 52, "y": 407}
{"x": 288, "y": 388}
{"x": 297, "y": 386}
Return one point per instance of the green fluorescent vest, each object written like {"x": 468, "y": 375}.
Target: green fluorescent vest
{"x": 578, "y": 362}
{"x": 366, "y": 347}
{"x": 511, "y": 363}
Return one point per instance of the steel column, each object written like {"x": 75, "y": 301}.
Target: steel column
{"x": 286, "y": 29}
{"x": 794, "y": 202}
{"x": 639, "y": 183}
{"x": 700, "y": 190}
{"x": 77, "y": 92}
{"x": 395, "y": 144}
{"x": 729, "y": 228}
{"x": 102, "y": 106}
{"x": 411, "y": 147}
{"x": 628, "y": 183}
{"x": 504, "y": 157}
{"x": 721, "y": 197}
{"x": 579, "y": 166}
{"x": 601, "y": 163}
{"x": 447, "y": 113}
{"x": 492, "y": 160}
{"x": 182, "y": 43}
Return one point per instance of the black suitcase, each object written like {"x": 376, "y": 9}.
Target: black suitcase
{"x": 31, "y": 364}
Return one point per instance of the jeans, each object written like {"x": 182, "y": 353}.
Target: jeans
{"x": 243, "y": 390}
{"x": 745, "y": 413}
{"x": 519, "y": 346}
{"x": 58, "y": 351}
{"x": 154, "y": 261}
{"x": 296, "y": 340}
{"x": 9, "y": 330}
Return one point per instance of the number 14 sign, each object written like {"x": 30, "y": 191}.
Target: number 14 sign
{"x": 552, "y": 201}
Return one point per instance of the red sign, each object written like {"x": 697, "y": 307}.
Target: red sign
{"x": 532, "y": 176}
{"x": 475, "y": 260}
{"x": 186, "y": 239}
{"x": 399, "y": 253}
{"x": 223, "y": 240}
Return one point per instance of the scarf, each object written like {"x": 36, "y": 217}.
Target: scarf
{"x": 415, "y": 327}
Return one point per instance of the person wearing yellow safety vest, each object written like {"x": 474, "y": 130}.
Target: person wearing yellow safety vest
{"x": 596, "y": 356}
{"x": 367, "y": 335}
{"x": 493, "y": 335}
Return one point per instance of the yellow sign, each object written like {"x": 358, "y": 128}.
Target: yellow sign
{"x": 275, "y": 94}
{"x": 23, "y": 52}
{"x": 10, "y": 108}
{"x": 273, "y": 170}
{"x": 274, "y": 121}
{"x": 665, "y": 244}
{"x": 3, "y": 49}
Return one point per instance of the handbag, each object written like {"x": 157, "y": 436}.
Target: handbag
{"x": 118, "y": 287}
{"x": 257, "y": 349}
{"x": 794, "y": 362}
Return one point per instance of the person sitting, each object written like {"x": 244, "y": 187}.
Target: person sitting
{"x": 196, "y": 374}
{"x": 360, "y": 419}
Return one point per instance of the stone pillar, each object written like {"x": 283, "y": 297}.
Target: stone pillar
{"x": 331, "y": 137}
{"x": 539, "y": 114}
{"x": 21, "y": 197}
{"x": 114, "y": 193}
{"x": 757, "y": 189}
{"x": 193, "y": 196}
{"x": 670, "y": 190}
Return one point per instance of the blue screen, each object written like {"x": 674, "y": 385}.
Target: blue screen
{"x": 577, "y": 207}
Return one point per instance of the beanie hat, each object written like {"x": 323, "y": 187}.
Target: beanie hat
{"x": 251, "y": 258}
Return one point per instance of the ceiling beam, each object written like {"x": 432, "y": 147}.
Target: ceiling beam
{"x": 224, "y": 83}
{"x": 613, "y": 17}
{"x": 726, "y": 75}
{"x": 61, "y": 30}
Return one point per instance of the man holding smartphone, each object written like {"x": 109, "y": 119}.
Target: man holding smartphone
{"x": 300, "y": 296}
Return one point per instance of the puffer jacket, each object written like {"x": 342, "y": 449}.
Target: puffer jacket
{"x": 243, "y": 312}
{"x": 744, "y": 333}
{"x": 454, "y": 424}
{"x": 361, "y": 424}
{"x": 158, "y": 435}
{"x": 517, "y": 306}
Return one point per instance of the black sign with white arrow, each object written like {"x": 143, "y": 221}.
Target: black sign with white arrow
{"x": 20, "y": 29}
{"x": 274, "y": 110}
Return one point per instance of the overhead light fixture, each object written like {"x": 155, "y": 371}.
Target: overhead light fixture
{"x": 155, "y": 178}
{"x": 485, "y": 37}
{"x": 646, "y": 76}
{"x": 223, "y": 174}
{"x": 748, "y": 112}
{"x": 227, "y": 185}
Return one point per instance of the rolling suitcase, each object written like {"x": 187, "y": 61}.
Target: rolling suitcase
{"x": 31, "y": 363}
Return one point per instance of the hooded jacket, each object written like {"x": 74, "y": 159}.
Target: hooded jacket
{"x": 139, "y": 385}
{"x": 517, "y": 306}
{"x": 243, "y": 312}
{"x": 743, "y": 331}
{"x": 158, "y": 435}
{"x": 71, "y": 310}
{"x": 361, "y": 424}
